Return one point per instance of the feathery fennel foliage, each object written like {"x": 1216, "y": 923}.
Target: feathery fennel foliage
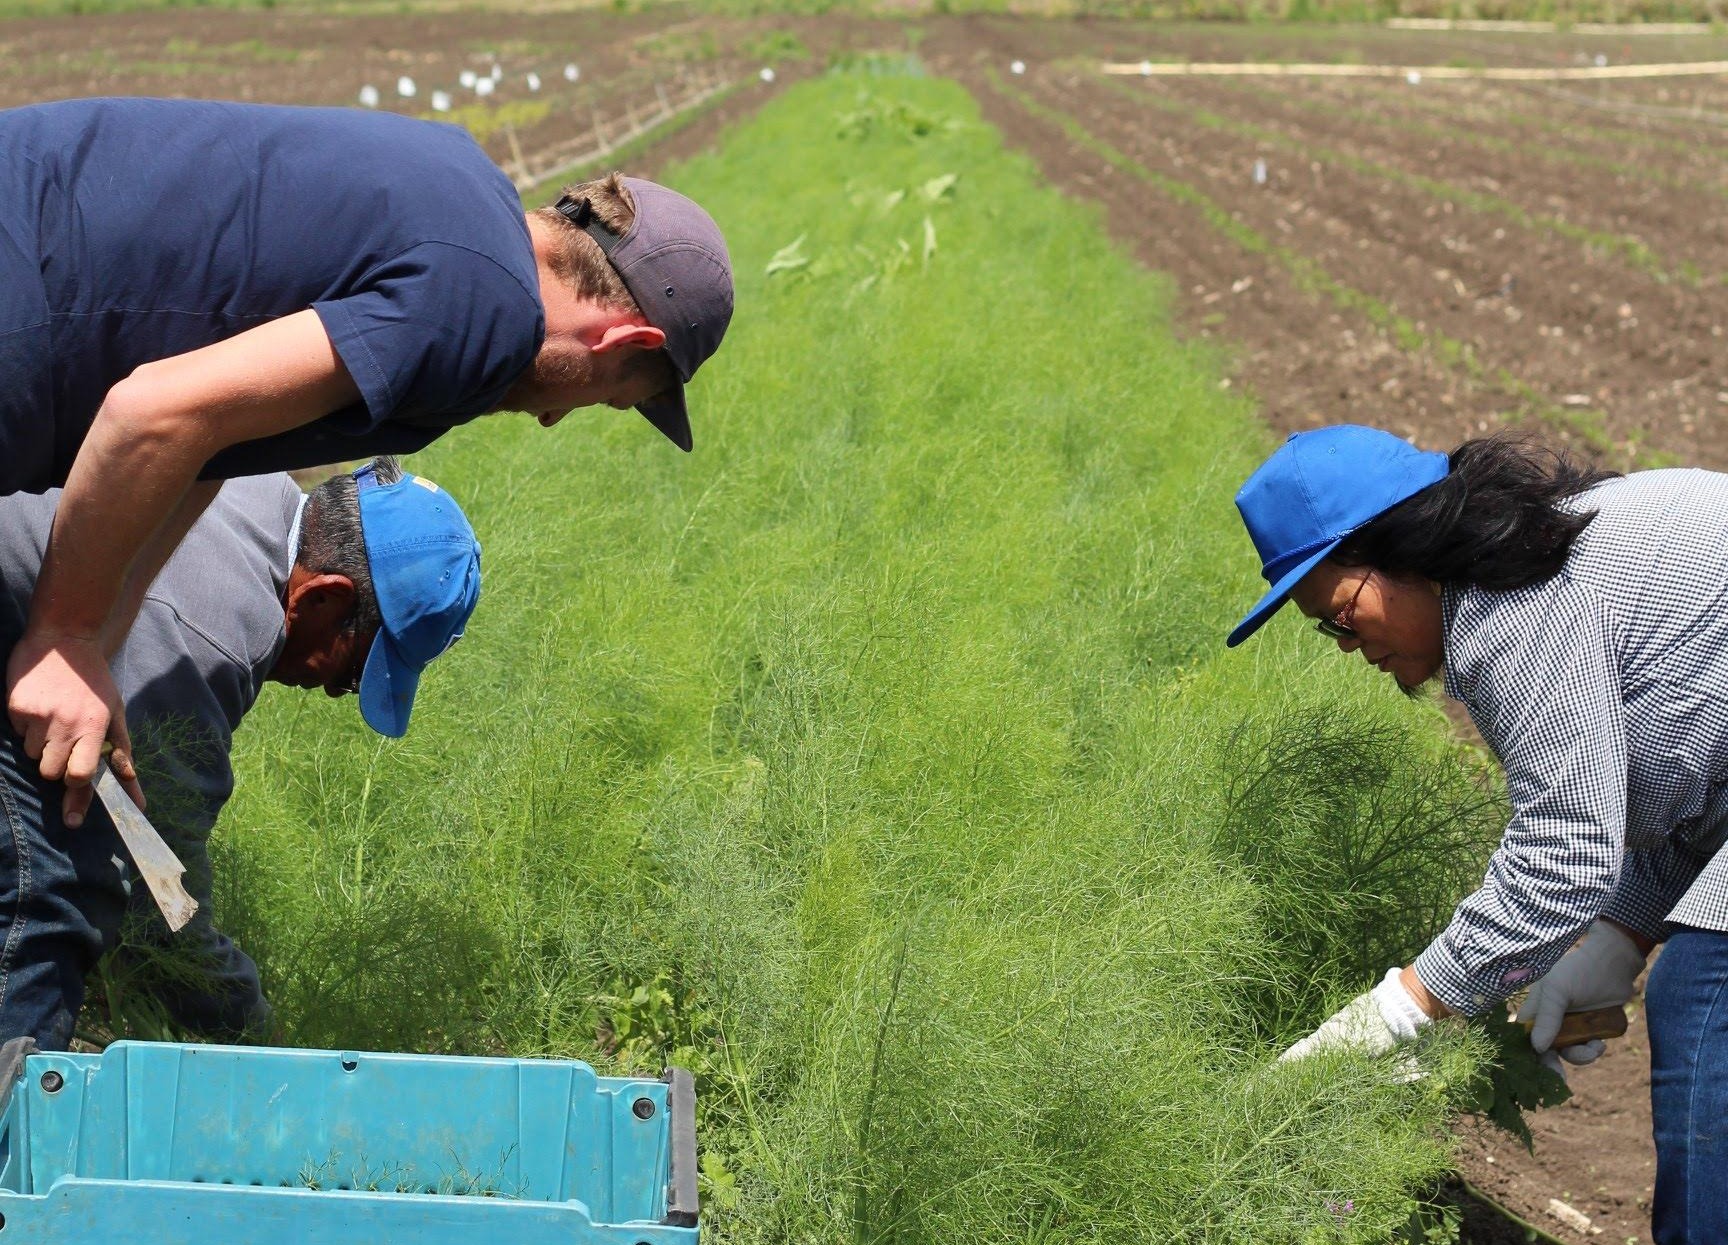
{"x": 882, "y": 760}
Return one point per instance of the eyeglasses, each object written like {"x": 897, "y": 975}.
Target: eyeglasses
{"x": 1338, "y": 627}
{"x": 358, "y": 670}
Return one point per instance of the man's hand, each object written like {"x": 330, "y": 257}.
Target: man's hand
{"x": 1598, "y": 972}
{"x": 63, "y": 703}
{"x": 1373, "y": 1023}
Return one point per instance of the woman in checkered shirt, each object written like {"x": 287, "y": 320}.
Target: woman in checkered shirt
{"x": 1582, "y": 618}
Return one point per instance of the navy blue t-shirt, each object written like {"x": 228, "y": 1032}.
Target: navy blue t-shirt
{"x": 134, "y": 229}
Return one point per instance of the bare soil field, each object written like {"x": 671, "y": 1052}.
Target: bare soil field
{"x": 1443, "y": 257}
{"x": 1440, "y": 258}
{"x": 627, "y": 67}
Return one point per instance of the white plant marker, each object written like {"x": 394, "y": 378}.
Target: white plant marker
{"x": 483, "y": 88}
{"x": 467, "y": 78}
{"x": 440, "y": 101}
{"x": 405, "y": 87}
{"x": 1260, "y": 172}
{"x": 533, "y": 81}
{"x": 571, "y": 73}
{"x": 497, "y": 72}
{"x": 1017, "y": 67}
{"x": 1413, "y": 78}
{"x": 767, "y": 74}
{"x": 1601, "y": 60}
{"x": 1145, "y": 69}
{"x": 369, "y": 96}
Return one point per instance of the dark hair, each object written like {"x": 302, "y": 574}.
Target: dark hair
{"x": 332, "y": 543}
{"x": 1494, "y": 522}
{"x": 576, "y": 258}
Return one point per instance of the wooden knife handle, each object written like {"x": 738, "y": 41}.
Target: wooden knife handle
{"x": 1577, "y": 1027}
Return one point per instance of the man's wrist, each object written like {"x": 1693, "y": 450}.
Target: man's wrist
{"x": 54, "y": 636}
{"x": 1435, "y": 1009}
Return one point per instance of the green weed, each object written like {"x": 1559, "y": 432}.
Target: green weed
{"x": 689, "y": 46}
{"x": 337, "y": 1171}
{"x": 253, "y": 50}
{"x": 485, "y": 120}
{"x": 774, "y": 46}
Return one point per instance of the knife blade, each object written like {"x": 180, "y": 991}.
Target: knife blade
{"x": 157, "y": 864}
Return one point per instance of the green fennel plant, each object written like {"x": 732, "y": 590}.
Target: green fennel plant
{"x": 888, "y": 748}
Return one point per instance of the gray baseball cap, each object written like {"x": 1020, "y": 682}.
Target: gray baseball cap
{"x": 674, "y": 262}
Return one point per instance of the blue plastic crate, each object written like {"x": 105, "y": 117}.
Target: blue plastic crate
{"x": 167, "y": 1144}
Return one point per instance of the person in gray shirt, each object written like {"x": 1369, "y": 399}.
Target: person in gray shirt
{"x": 354, "y": 588}
{"x": 1582, "y": 619}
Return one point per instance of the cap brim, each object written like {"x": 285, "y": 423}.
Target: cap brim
{"x": 667, "y": 412}
{"x": 1275, "y": 597}
{"x": 387, "y": 687}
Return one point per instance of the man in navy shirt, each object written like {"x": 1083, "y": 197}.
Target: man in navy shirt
{"x": 355, "y": 588}
{"x": 192, "y": 291}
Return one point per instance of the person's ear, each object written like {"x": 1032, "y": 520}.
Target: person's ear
{"x": 638, "y": 336}
{"x": 320, "y": 603}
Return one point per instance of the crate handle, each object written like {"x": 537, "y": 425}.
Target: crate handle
{"x": 682, "y": 1206}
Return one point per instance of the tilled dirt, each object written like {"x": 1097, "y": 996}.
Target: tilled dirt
{"x": 629, "y": 67}
{"x": 1431, "y": 282}
{"x": 1593, "y": 1153}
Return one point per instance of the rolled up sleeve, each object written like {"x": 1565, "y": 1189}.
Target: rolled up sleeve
{"x": 1539, "y": 670}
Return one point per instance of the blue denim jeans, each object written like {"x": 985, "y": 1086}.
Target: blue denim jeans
{"x": 1686, "y": 1003}
{"x": 65, "y": 896}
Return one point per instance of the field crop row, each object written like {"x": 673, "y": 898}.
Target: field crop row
{"x": 882, "y": 761}
{"x": 1307, "y": 274}
{"x": 1625, "y": 247}
{"x": 1492, "y": 121}
{"x": 1463, "y": 288}
{"x": 1545, "y": 163}
{"x": 1461, "y": 359}
{"x": 564, "y": 81}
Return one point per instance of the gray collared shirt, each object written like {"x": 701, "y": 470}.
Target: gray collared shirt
{"x": 1604, "y": 693}
{"x": 204, "y": 641}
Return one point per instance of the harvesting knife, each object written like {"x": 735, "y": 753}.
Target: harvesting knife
{"x": 1580, "y": 1027}
{"x": 157, "y": 864}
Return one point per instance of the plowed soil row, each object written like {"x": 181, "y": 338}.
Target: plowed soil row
{"x": 1524, "y": 112}
{"x": 1564, "y": 110}
{"x": 1615, "y": 355}
{"x": 1649, "y": 209}
{"x": 1225, "y": 41}
{"x": 627, "y": 63}
{"x": 1306, "y": 360}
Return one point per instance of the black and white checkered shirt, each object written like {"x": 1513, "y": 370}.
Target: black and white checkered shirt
{"x": 1604, "y": 692}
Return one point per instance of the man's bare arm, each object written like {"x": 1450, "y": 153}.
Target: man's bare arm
{"x": 152, "y": 436}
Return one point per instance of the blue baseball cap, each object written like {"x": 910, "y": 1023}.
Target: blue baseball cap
{"x": 1315, "y": 490}
{"x": 425, "y": 567}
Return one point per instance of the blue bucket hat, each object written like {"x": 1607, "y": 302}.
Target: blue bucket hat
{"x": 1319, "y": 487}
{"x": 425, "y": 566}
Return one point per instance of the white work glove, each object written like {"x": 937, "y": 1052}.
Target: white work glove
{"x": 1373, "y": 1023}
{"x": 1598, "y": 972}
